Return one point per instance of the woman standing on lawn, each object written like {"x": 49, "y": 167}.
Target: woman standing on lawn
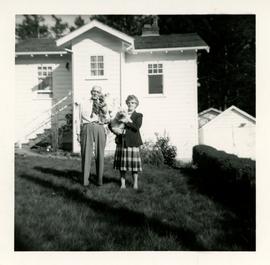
{"x": 127, "y": 155}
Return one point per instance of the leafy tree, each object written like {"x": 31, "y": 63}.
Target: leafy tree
{"x": 129, "y": 24}
{"x": 32, "y": 27}
{"x": 227, "y": 73}
{"x": 79, "y": 21}
{"x": 59, "y": 27}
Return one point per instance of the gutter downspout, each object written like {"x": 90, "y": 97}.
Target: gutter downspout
{"x": 120, "y": 78}
{"x": 74, "y": 138}
{"x": 122, "y": 58}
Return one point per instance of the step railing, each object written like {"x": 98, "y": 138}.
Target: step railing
{"x": 48, "y": 120}
{"x": 49, "y": 111}
{"x": 43, "y": 120}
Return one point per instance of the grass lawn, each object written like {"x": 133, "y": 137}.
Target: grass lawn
{"x": 168, "y": 212}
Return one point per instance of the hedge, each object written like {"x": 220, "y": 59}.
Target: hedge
{"x": 225, "y": 170}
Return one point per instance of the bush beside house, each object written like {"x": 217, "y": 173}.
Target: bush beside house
{"x": 226, "y": 173}
{"x": 151, "y": 155}
{"x": 160, "y": 152}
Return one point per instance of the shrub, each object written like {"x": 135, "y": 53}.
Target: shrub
{"x": 168, "y": 151}
{"x": 225, "y": 170}
{"x": 65, "y": 134}
{"x": 151, "y": 155}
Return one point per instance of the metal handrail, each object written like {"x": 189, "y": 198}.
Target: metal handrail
{"x": 46, "y": 121}
{"x": 43, "y": 123}
{"x": 47, "y": 111}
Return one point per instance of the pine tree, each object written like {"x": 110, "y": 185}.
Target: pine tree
{"x": 227, "y": 73}
{"x": 129, "y": 24}
{"x": 59, "y": 27}
{"x": 79, "y": 22}
{"x": 32, "y": 27}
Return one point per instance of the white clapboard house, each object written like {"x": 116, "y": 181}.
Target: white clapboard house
{"x": 161, "y": 70}
{"x": 232, "y": 131}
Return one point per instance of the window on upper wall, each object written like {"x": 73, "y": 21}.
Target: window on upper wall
{"x": 45, "y": 78}
{"x": 97, "y": 65}
{"x": 155, "y": 78}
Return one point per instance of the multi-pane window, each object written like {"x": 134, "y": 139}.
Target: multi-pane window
{"x": 45, "y": 77}
{"x": 97, "y": 65}
{"x": 155, "y": 78}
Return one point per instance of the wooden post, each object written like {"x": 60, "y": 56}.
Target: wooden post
{"x": 55, "y": 144}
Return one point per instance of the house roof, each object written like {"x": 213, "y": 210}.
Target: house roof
{"x": 92, "y": 24}
{"x": 137, "y": 43}
{"x": 231, "y": 108}
{"x": 38, "y": 45}
{"x": 188, "y": 40}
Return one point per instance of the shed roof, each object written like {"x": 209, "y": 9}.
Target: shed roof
{"x": 235, "y": 110}
{"x": 210, "y": 110}
{"x": 207, "y": 115}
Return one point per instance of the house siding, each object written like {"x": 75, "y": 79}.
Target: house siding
{"x": 32, "y": 109}
{"x": 174, "y": 113}
{"x": 96, "y": 42}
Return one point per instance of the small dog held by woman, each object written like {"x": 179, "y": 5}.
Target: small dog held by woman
{"x": 117, "y": 124}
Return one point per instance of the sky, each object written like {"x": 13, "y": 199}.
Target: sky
{"x": 50, "y": 21}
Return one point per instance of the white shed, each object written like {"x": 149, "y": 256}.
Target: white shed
{"x": 232, "y": 131}
{"x": 161, "y": 70}
{"x": 207, "y": 115}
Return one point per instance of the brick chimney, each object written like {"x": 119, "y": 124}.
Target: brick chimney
{"x": 151, "y": 30}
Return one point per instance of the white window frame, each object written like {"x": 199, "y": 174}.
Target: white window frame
{"x": 97, "y": 67}
{"x": 152, "y": 71}
{"x": 44, "y": 71}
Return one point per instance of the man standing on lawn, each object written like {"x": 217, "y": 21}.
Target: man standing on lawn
{"x": 91, "y": 133}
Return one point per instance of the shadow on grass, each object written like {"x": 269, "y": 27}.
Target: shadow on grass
{"x": 240, "y": 231}
{"x": 243, "y": 205}
{"x": 19, "y": 243}
{"x": 74, "y": 175}
{"x": 128, "y": 217}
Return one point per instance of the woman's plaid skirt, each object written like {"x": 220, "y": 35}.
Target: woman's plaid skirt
{"x": 127, "y": 159}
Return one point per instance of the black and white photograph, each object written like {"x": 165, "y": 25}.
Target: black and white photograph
{"x": 135, "y": 132}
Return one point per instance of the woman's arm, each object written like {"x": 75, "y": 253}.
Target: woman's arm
{"x": 115, "y": 130}
{"x": 136, "y": 124}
